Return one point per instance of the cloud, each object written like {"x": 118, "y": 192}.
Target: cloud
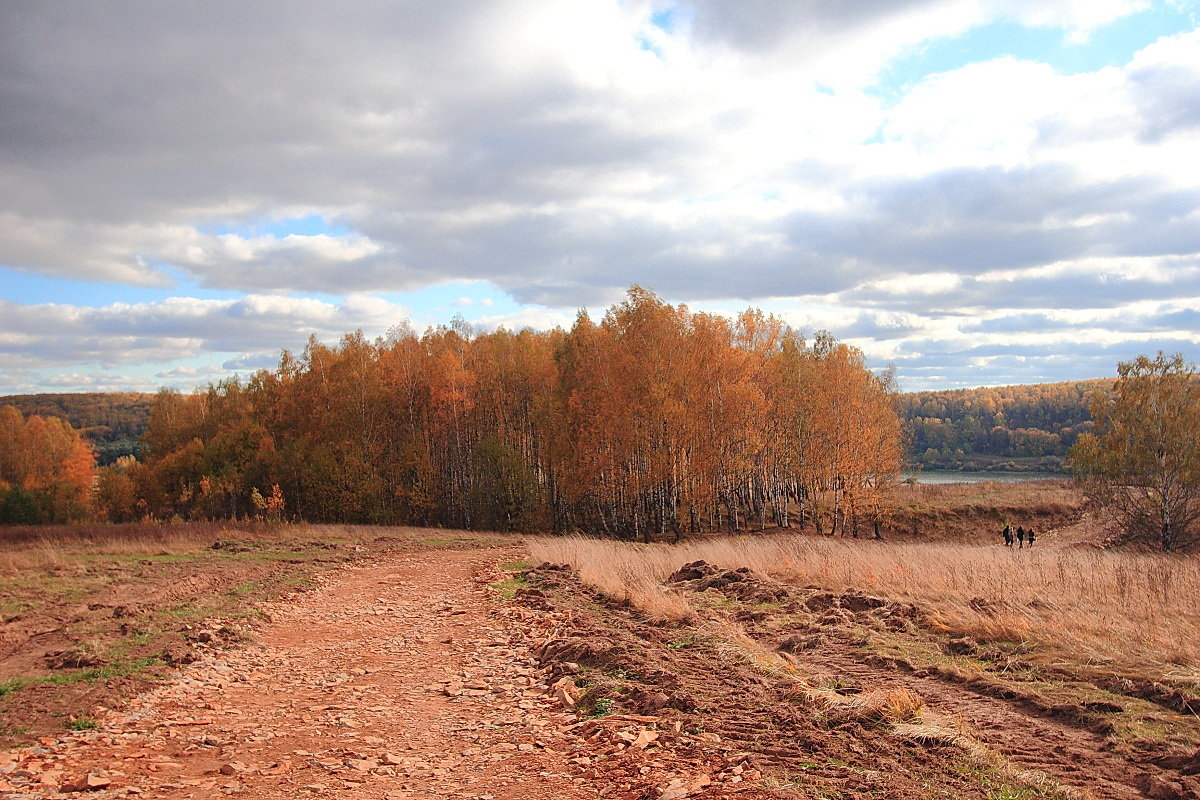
{"x": 1165, "y": 79}
{"x": 38, "y": 336}
{"x": 573, "y": 163}
{"x": 566, "y": 149}
{"x": 536, "y": 318}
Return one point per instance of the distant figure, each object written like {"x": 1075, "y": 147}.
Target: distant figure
{"x": 1030, "y": 536}
{"x": 1007, "y": 533}
{"x": 1020, "y": 537}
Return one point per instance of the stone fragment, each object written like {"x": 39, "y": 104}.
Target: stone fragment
{"x": 644, "y": 739}
{"x": 91, "y": 782}
{"x": 566, "y": 692}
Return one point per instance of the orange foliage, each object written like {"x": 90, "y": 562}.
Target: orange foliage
{"x": 46, "y": 470}
{"x": 655, "y": 421}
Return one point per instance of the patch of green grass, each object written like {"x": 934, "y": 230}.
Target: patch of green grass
{"x": 41, "y": 588}
{"x": 82, "y": 723}
{"x": 602, "y": 707}
{"x": 11, "y": 685}
{"x": 1140, "y": 722}
{"x": 181, "y": 611}
{"x": 116, "y": 669}
{"x": 515, "y": 566}
{"x": 10, "y": 606}
{"x": 131, "y": 641}
{"x": 999, "y": 782}
{"x": 245, "y": 589}
{"x": 679, "y": 644}
{"x": 509, "y": 586}
{"x": 163, "y": 558}
{"x": 278, "y": 555}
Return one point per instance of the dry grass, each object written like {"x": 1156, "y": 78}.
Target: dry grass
{"x": 1134, "y": 611}
{"x": 1032, "y": 494}
{"x": 26, "y": 548}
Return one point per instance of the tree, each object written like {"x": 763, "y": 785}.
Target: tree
{"x": 1142, "y": 462}
{"x": 46, "y": 470}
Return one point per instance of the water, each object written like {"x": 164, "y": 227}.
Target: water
{"x": 954, "y": 476}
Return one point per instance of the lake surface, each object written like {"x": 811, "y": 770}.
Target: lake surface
{"x": 954, "y": 476}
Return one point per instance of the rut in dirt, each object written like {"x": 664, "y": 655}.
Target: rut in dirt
{"x": 649, "y": 668}
{"x": 1062, "y": 743}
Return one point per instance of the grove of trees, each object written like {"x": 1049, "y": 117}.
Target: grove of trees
{"x": 1142, "y": 463}
{"x": 655, "y": 420}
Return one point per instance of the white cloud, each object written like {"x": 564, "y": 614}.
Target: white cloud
{"x": 564, "y": 150}
{"x": 1078, "y": 17}
{"x": 161, "y": 333}
{"x": 539, "y": 319}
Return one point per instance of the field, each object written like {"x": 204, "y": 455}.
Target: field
{"x": 766, "y": 665}
{"x": 1030, "y": 662}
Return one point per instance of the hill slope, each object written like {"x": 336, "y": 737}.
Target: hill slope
{"x": 112, "y": 421}
{"x": 1006, "y": 427}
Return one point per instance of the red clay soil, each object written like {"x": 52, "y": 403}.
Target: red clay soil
{"x": 408, "y": 678}
{"x": 396, "y": 680}
{"x": 1065, "y": 743}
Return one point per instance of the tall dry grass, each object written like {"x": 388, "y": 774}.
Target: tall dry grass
{"x": 1137, "y": 611}
{"x": 34, "y": 548}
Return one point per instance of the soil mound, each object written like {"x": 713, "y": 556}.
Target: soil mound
{"x": 742, "y": 583}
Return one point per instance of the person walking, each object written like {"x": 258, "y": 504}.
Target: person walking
{"x": 1007, "y": 533}
{"x": 1030, "y": 536}
{"x": 1020, "y": 537}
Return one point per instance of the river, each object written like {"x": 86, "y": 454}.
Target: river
{"x": 955, "y": 476}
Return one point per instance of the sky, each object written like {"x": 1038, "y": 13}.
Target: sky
{"x": 980, "y": 192}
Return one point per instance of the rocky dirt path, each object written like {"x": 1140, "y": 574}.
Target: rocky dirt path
{"x": 396, "y": 680}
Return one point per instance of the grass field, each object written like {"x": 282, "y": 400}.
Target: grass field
{"x": 1135, "y": 614}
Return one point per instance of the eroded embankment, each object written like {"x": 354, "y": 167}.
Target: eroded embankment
{"x": 845, "y": 694}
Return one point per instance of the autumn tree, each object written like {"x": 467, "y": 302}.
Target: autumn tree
{"x": 46, "y": 470}
{"x": 1142, "y": 463}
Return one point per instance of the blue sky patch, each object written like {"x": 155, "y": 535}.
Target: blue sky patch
{"x": 308, "y": 225}
{"x": 1110, "y": 46}
{"x": 30, "y": 288}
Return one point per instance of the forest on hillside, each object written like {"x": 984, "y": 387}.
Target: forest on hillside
{"x": 654, "y": 421}
{"x": 1006, "y": 427}
{"x": 112, "y": 422}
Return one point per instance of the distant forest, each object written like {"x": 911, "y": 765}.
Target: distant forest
{"x": 1006, "y": 427}
{"x": 112, "y": 422}
{"x": 1010, "y": 427}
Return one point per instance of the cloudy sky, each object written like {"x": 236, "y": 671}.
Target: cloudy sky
{"x": 978, "y": 191}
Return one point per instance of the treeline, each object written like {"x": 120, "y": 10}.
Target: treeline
{"x": 656, "y": 420}
{"x": 113, "y": 422}
{"x": 46, "y": 470}
{"x": 1041, "y": 421}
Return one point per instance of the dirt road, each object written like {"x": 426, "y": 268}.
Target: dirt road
{"x": 398, "y": 680}
{"x": 407, "y": 678}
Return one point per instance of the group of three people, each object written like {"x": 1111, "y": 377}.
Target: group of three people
{"x": 1021, "y": 535}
